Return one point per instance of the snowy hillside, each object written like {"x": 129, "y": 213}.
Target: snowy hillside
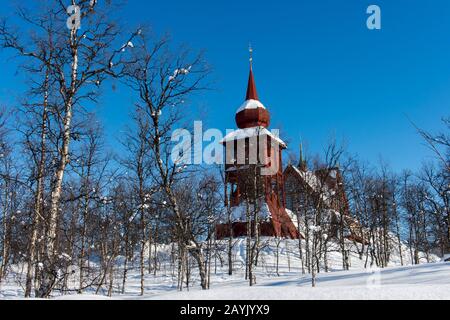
{"x": 426, "y": 281}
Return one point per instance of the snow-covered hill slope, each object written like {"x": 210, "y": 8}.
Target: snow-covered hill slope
{"x": 426, "y": 281}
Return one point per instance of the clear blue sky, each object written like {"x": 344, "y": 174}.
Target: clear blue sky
{"x": 318, "y": 69}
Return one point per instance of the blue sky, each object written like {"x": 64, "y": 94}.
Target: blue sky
{"x": 318, "y": 69}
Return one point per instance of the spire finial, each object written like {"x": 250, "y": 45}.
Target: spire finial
{"x": 252, "y": 94}
{"x": 250, "y": 50}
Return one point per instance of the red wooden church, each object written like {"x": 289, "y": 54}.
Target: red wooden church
{"x": 253, "y": 141}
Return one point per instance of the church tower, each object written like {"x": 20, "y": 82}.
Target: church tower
{"x": 254, "y": 172}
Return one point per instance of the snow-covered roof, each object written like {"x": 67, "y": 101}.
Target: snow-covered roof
{"x": 310, "y": 178}
{"x": 293, "y": 217}
{"x": 251, "y": 104}
{"x": 316, "y": 184}
{"x": 240, "y": 134}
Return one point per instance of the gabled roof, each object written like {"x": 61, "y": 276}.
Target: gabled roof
{"x": 315, "y": 183}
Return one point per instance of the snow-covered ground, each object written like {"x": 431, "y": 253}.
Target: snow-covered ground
{"x": 428, "y": 281}
{"x": 425, "y": 281}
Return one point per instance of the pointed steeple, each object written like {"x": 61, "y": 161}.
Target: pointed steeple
{"x": 302, "y": 165}
{"x": 252, "y": 112}
{"x": 252, "y": 93}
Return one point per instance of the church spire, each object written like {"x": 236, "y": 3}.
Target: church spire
{"x": 252, "y": 112}
{"x": 302, "y": 165}
{"x": 252, "y": 93}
